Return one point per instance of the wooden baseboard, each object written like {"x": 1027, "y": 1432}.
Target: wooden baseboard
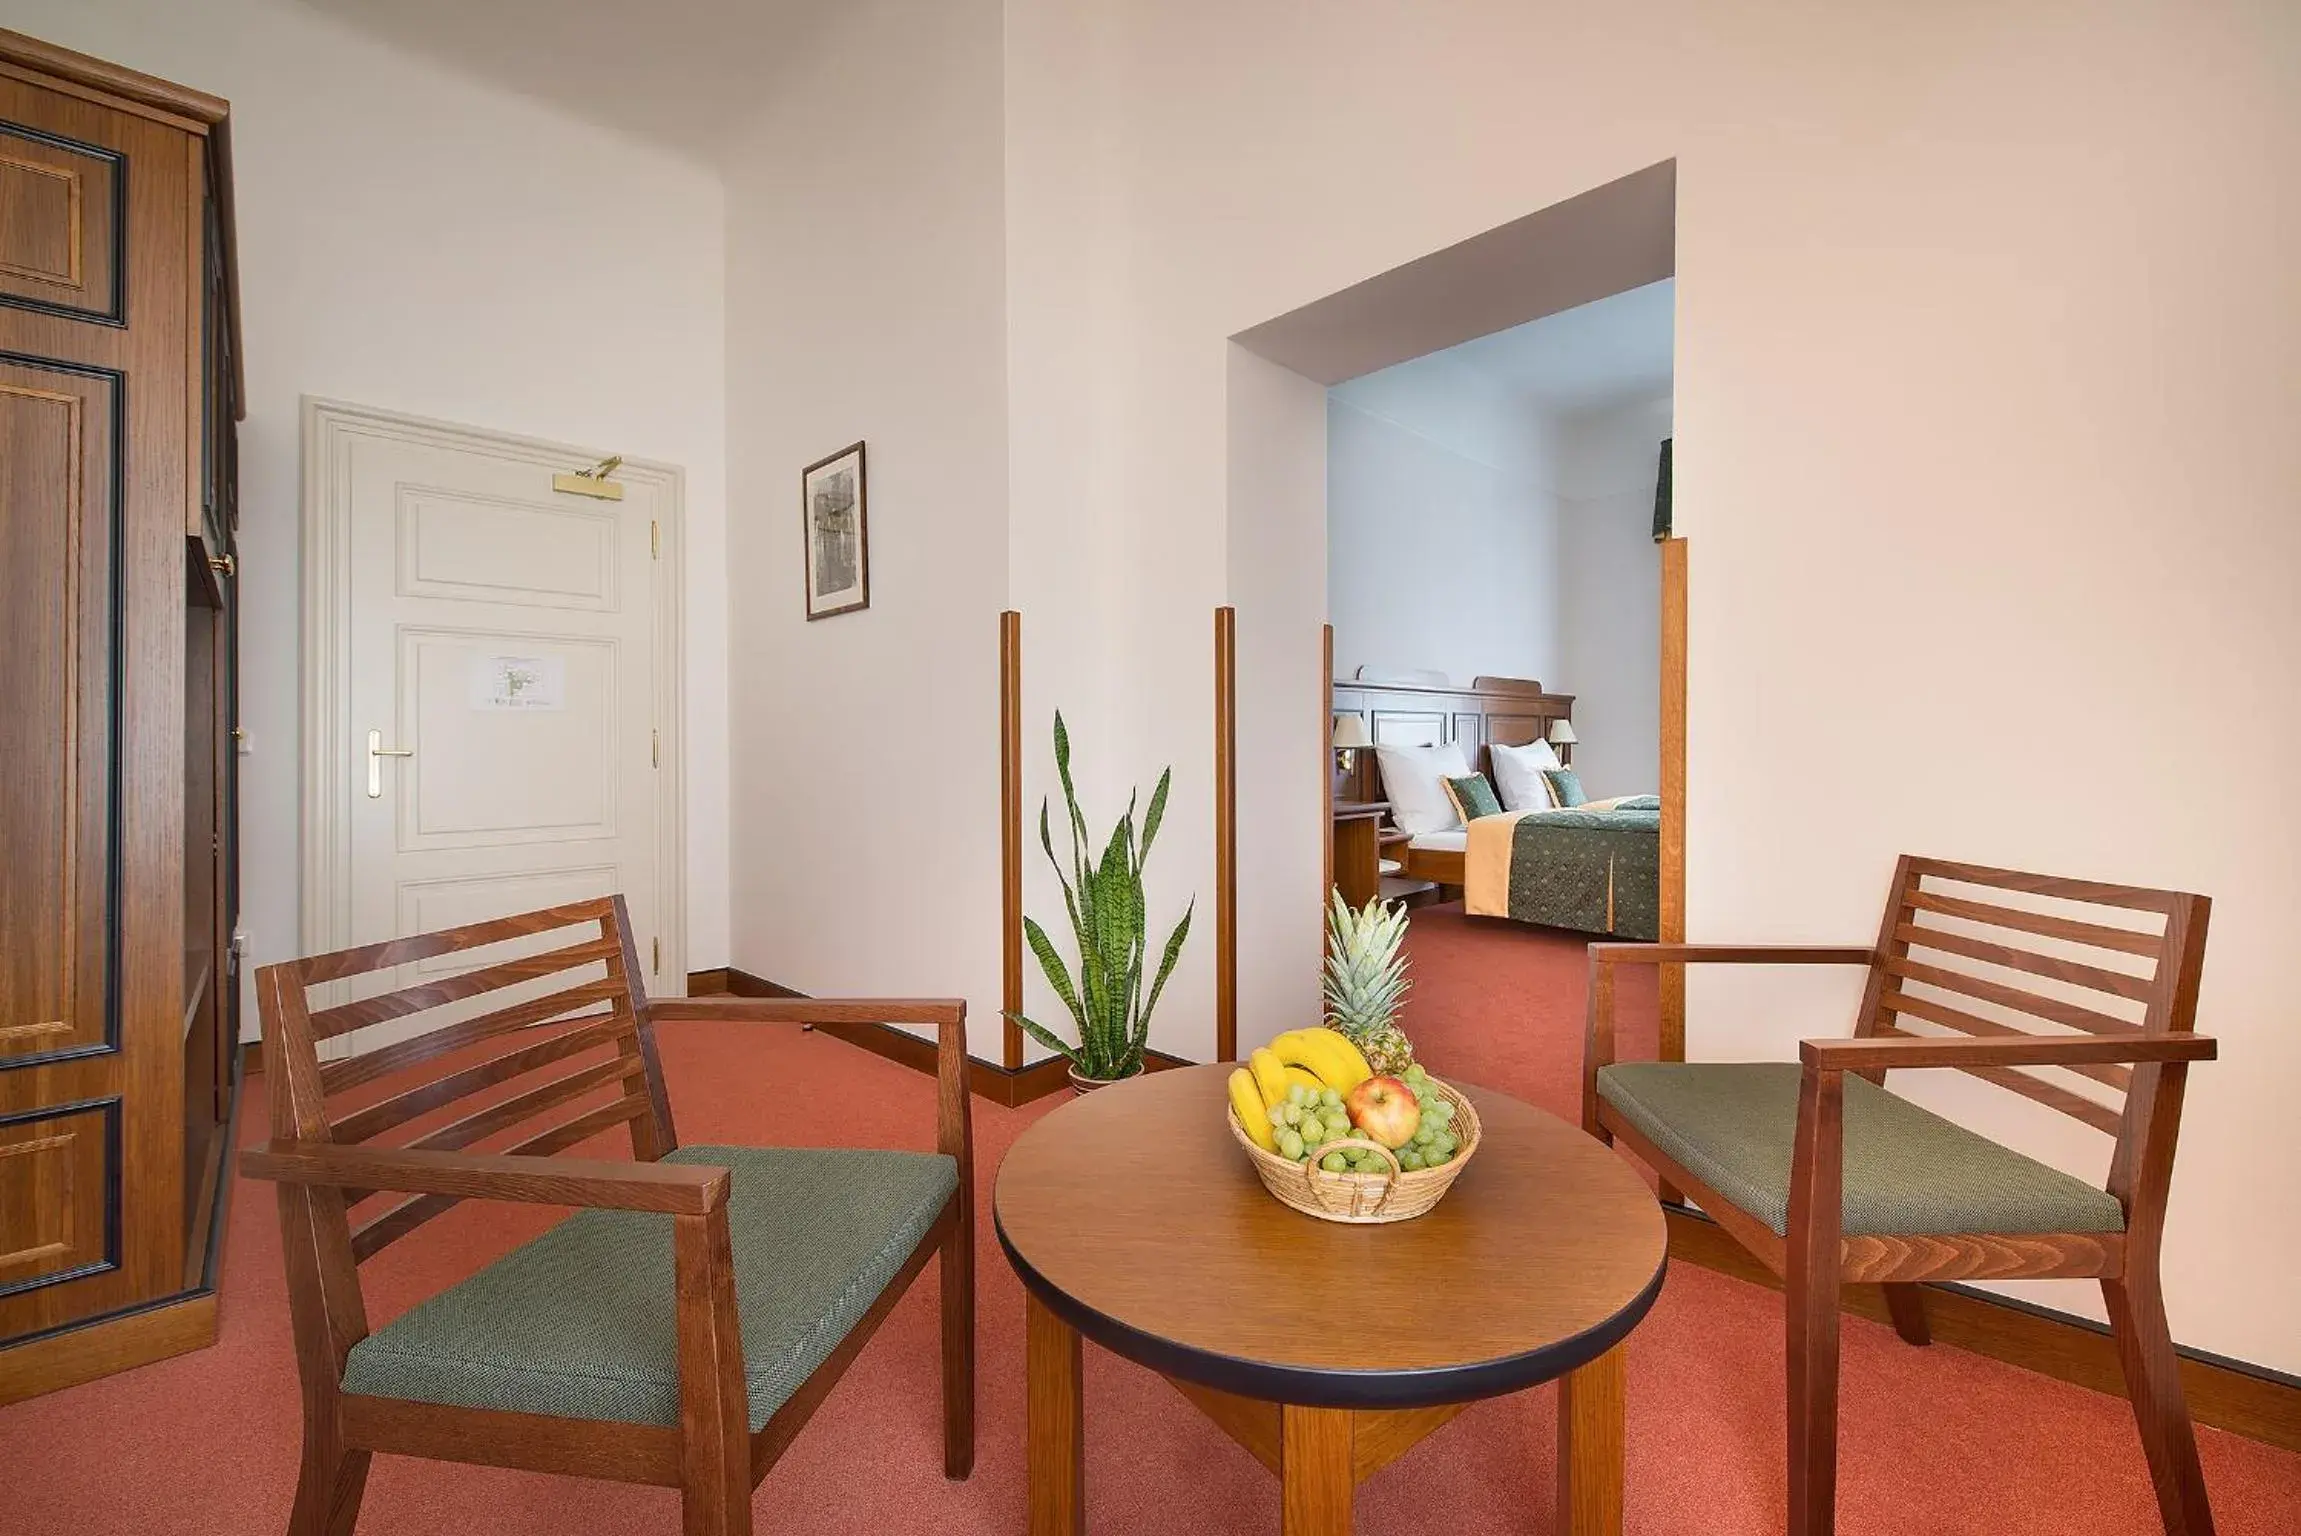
{"x": 103, "y": 1345}
{"x": 989, "y": 1080}
{"x": 2244, "y": 1399}
{"x": 176, "y": 1324}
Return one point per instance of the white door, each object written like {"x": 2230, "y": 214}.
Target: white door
{"x": 503, "y": 665}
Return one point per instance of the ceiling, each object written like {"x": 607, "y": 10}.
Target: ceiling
{"x": 1597, "y": 357}
{"x": 680, "y": 73}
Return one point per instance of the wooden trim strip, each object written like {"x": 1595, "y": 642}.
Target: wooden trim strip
{"x": 335, "y": 1076}
{"x": 341, "y": 963}
{"x": 330, "y": 1022}
{"x": 2037, "y": 1003}
{"x": 1225, "y": 834}
{"x": 1672, "y": 929}
{"x": 177, "y": 103}
{"x": 102, "y": 1346}
{"x": 1011, "y": 836}
{"x": 1895, "y": 1001}
{"x": 2075, "y": 972}
{"x": 2101, "y": 936}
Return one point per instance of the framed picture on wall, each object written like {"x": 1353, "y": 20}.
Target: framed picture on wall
{"x": 832, "y": 515}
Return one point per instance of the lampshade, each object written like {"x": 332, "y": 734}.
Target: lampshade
{"x": 1562, "y": 733}
{"x": 1350, "y": 731}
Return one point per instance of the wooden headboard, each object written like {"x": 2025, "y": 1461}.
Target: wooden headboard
{"x": 1510, "y": 711}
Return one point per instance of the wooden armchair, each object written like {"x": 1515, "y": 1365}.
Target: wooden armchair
{"x": 682, "y": 1326}
{"x": 1827, "y": 1178}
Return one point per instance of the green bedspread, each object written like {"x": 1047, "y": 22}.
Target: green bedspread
{"x": 1591, "y": 871}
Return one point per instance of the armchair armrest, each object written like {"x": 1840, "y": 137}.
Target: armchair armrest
{"x": 679, "y": 1188}
{"x": 1598, "y": 1023}
{"x": 1732, "y": 954}
{"x": 2033, "y": 1051}
{"x": 941, "y": 1011}
{"x": 954, "y": 1122}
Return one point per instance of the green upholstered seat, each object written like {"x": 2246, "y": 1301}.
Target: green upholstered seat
{"x": 581, "y": 1321}
{"x": 1907, "y": 1170}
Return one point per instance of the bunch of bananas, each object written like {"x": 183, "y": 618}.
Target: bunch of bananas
{"x": 1318, "y": 1059}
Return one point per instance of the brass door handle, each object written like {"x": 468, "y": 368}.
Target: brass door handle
{"x": 224, "y": 565}
{"x": 377, "y": 752}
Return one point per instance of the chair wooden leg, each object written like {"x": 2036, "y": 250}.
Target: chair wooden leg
{"x": 2153, "y": 1381}
{"x": 329, "y": 1486}
{"x": 1810, "y": 1302}
{"x": 959, "y": 1353}
{"x": 714, "y": 1400}
{"x": 1813, "y": 1373}
{"x": 1905, "y": 1304}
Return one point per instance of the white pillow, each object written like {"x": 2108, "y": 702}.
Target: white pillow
{"x": 1518, "y": 775}
{"x": 1414, "y": 782}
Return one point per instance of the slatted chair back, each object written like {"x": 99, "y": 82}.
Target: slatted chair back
{"x": 557, "y": 1034}
{"x": 1984, "y": 952}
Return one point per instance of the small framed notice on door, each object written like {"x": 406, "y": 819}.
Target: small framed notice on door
{"x": 519, "y": 682}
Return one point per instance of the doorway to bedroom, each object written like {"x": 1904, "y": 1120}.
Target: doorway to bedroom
{"x": 1494, "y": 591}
{"x": 1480, "y": 441}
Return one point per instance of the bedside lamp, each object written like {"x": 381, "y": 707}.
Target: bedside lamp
{"x": 1349, "y": 736}
{"x": 1563, "y": 738}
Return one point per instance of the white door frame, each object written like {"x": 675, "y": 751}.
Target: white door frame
{"x": 328, "y": 427}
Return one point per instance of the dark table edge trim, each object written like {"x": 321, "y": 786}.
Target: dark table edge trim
{"x": 1325, "y": 1387}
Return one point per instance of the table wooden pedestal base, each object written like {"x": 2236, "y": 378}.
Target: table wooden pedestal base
{"x": 1320, "y": 1455}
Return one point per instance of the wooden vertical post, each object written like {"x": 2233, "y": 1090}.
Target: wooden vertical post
{"x": 1225, "y": 834}
{"x": 1326, "y": 797}
{"x": 1673, "y": 915}
{"x": 1011, "y": 833}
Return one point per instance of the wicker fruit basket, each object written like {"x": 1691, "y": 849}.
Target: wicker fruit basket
{"x": 1363, "y": 1198}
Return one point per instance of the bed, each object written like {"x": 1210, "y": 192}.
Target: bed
{"x": 1592, "y": 869}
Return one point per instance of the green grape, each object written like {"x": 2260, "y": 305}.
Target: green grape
{"x": 1410, "y": 1160}
{"x": 1333, "y": 1162}
{"x": 1290, "y": 1143}
{"x": 1282, "y": 1113}
{"x": 1296, "y": 1094}
{"x": 1330, "y": 1098}
{"x": 1437, "y": 1155}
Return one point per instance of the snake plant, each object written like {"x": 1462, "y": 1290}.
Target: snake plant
{"x": 1104, "y": 900}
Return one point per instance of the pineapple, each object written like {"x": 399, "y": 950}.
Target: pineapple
{"x": 1366, "y": 980}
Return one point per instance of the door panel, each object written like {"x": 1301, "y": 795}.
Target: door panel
{"x": 502, "y": 645}
{"x": 55, "y": 1166}
{"x": 60, "y": 223}
{"x": 57, "y": 441}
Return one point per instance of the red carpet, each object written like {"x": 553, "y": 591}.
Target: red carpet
{"x": 1937, "y": 1441}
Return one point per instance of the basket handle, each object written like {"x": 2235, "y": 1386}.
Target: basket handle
{"x": 1390, "y": 1177}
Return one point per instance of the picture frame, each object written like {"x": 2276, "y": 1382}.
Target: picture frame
{"x": 835, "y": 530}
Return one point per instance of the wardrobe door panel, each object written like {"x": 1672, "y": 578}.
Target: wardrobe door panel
{"x": 59, "y": 429}
{"x": 60, "y": 223}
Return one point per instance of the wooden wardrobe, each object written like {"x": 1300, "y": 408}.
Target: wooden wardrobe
{"x": 119, "y": 393}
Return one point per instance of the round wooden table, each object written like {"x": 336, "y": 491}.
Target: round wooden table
{"x": 1325, "y": 1349}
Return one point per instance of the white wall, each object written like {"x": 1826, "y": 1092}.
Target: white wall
{"x": 1983, "y": 378}
{"x": 1610, "y": 602}
{"x": 412, "y": 240}
{"x": 1441, "y": 554}
{"x": 866, "y": 263}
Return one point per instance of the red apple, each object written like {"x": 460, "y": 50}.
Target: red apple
{"x": 1385, "y": 1110}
